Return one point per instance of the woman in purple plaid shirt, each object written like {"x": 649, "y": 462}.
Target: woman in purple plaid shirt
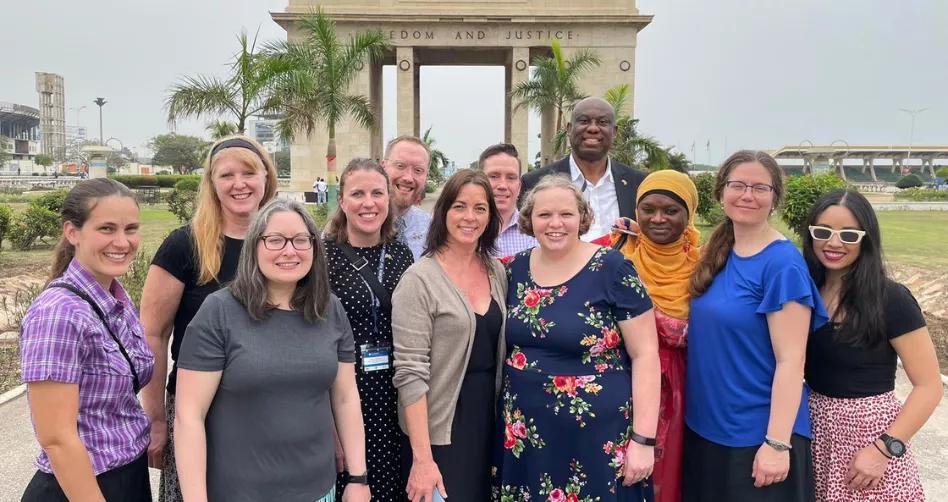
{"x": 83, "y": 369}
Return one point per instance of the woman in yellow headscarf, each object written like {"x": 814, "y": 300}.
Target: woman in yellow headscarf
{"x": 663, "y": 245}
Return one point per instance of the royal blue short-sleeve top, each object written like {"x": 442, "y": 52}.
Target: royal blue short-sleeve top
{"x": 731, "y": 362}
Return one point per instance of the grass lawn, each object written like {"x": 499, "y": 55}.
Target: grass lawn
{"x": 156, "y": 223}
{"x": 914, "y": 238}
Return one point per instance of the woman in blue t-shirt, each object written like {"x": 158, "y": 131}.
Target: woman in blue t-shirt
{"x": 753, "y": 303}
{"x": 860, "y": 429}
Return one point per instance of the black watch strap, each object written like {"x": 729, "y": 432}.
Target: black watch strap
{"x": 642, "y": 440}
{"x": 361, "y": 479}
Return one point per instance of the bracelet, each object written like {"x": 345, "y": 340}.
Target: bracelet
{"x": 642, "y": 440}
{"x": 777, "y": 445}
{"x": 883, "y": 452}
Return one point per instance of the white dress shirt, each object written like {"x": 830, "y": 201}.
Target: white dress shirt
{"x": 601, "y": 196}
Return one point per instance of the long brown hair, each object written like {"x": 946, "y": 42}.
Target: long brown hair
{"x": 716, "y": 251}
{"x": 207, "y": 227}
{"x": 77, "y": 206}
{"x": 438, "y": 231}
{"x": 336, "y": 231}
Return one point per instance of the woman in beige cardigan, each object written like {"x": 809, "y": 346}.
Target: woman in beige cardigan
{"x": 447, "y": 326}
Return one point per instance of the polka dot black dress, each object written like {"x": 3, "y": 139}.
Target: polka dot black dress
{"x": 373, "y": 336}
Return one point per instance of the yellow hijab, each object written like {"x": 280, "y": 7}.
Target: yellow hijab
{"x": 666, "y": 269}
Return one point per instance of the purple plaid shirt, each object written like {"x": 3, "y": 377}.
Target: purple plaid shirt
{"x": 511, "y": 240}
{"x": 63, "y": 340}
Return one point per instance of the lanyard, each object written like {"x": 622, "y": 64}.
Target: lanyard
{"x": 375, "y": 304}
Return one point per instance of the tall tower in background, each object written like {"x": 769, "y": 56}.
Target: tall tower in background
{"x": 52, "y": 106}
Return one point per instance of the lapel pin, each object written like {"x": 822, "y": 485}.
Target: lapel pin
{"x": 624, "y": 182}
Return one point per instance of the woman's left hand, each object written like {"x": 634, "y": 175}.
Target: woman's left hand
{"x": 866, "y": 468}
{"x": 356, "y": 492}
{"x": 770, "y": 466}
{"x": 639, "y": 461}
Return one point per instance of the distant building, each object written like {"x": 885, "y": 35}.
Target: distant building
{"x": 52, "y": 114}
{"x": 263, "y": 129}
{"x": 20, "y": 126}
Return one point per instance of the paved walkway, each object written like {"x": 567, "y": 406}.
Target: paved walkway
{"x": 17, "y": 449}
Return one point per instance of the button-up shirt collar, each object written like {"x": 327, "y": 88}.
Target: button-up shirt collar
{"x": 601, "y": 197}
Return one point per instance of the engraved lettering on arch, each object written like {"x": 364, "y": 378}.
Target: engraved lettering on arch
{"x": 541, "y": 35}
{"x": 411, "y": 35}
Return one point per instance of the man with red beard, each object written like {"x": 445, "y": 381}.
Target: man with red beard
{"x": 406, "y": 163}
{"x": 609, "y": 186}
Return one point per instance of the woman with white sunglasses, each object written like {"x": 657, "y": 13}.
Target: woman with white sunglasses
{"x": 860, "y": 429}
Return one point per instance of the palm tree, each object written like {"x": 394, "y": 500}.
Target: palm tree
{"x": 628, "y": 146}
{"x": 554, "y": 84}
{"x": 246, "y": 92}
{"x": 221, "y": 129}
{"x": 438, "y": 159}
{"x": 316, "y": 88}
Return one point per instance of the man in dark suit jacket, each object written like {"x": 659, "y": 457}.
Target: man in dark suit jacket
{"x": 591, "y": 129}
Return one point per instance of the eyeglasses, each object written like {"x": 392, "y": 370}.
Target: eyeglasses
{"x": 276, "y": 242}
{"x": 741, "y": 187}
{"x": 846, "y": 236}
{"x": 402, "y": 166}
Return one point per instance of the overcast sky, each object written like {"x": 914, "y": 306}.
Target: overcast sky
{"x": 735, "y": 73}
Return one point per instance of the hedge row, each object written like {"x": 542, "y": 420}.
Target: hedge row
{"x": 160, "y": 180}
{"x": 922, "y": 195}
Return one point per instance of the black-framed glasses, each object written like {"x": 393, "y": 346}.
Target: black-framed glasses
{"x": 740, "y": 186}
{"x": 846, "y": 236}
{"x": 276, "y": 242}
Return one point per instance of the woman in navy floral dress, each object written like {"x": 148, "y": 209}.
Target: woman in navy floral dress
{"x": 576, "y": 312}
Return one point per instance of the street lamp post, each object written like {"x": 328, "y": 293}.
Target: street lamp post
{"x": 913, "y": 112}
{"x": 101, "y": 102}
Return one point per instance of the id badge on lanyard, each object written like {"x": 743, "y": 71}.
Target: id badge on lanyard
{"x": 376, "y": 356}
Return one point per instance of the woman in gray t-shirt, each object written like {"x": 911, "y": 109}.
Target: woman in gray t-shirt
{"x": 266, "y": 368}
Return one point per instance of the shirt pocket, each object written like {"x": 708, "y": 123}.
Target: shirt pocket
{"x": 105, "y": 358}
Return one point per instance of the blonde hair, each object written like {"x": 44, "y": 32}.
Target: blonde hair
{"x": 207, "y": 229}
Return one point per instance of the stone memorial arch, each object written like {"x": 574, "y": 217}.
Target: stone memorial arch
{"x": 508, "y": 33}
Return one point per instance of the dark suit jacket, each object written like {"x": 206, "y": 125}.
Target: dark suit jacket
{"x": 626, "y": 179}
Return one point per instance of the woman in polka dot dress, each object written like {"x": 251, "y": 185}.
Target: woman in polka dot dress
{"x": 364, "y": 226}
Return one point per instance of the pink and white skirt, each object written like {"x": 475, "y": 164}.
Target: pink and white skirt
{"x": 840, "y": 428}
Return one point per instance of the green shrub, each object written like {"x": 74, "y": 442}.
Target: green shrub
{"x": 320, "y": 213}
{"x": 17, "y": 304}
{"x": 942, "y": 173}
{"x": 36, "y": 223}
{"x": 136, "y": 181}
{"x": 189, "y": 183}
{"x": 182, "y": 203}
{"x": 170, "y": 180}
{"x": 910, "y": 180}
{"x": 6, "y": 219}
{"x": 52, "y": 201}
{"x": 134, "y": 278}
{"x": 800, "y": 194}
{"x": 709, "y": 209}
{"x": 922, "y": 195}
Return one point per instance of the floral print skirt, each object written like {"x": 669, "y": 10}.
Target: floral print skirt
{"x": 564, "y": 438}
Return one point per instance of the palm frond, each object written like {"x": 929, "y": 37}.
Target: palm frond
{"x": 200, "y": 95}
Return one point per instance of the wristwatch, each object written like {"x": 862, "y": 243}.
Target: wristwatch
{"x": 361, "y": 479}
{"x": 642, "y": 440}
{"x": 895, "y": 446}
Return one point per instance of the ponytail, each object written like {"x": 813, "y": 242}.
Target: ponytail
{"x": 62, "y": 255}
{"x": 713, "y": 258}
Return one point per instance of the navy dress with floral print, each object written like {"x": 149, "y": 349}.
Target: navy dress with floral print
{"x": 565, "y": 406}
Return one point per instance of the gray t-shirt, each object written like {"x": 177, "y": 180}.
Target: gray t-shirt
{"x": 269, "y": 427}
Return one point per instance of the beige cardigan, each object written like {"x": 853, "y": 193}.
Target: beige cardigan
{"x": 433, "y": 333}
